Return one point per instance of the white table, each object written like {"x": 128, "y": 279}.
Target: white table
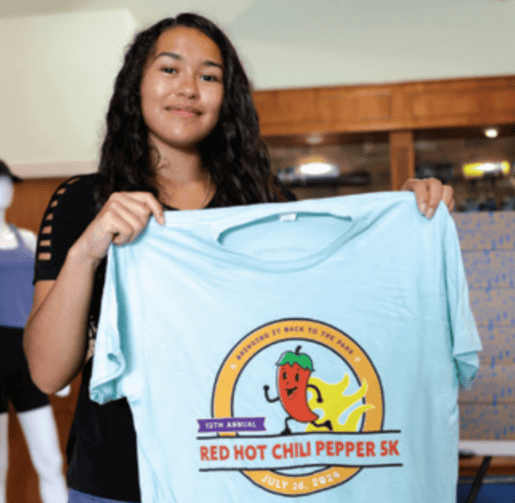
{"x": 488, "y": 449}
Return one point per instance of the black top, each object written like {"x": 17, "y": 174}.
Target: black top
{"x": 101, "y": 449}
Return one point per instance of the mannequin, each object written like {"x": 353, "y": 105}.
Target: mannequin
{"x": 34, "y": 412}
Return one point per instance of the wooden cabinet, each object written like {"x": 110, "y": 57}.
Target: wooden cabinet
{"x": 400, "y": 111}
{"x": 411, "y": 105}
{"x": 467, "y": 102}
{"x": 279, "y": 110}
{"x": 327, "y": 109}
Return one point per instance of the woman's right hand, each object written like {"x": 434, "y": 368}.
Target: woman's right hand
{"x": 55, "y": 338}
{"x": 120, "y": 221}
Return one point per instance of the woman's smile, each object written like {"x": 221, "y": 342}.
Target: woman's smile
{"x": 186, "y": 112}
{"x": 182, "y": 89}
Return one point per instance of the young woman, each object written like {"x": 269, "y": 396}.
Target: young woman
{"x": 182, "y": 133}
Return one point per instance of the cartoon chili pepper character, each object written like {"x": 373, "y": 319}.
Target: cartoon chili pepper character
{"x": 292, "y": 382}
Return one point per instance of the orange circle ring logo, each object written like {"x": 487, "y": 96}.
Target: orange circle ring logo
{"x": 298, "y": 329}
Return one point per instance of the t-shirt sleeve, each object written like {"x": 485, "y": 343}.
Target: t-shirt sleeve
{"x": 109, "y": 361}
{"x": 464, "y": 334}
{"x": 68, "y": 213}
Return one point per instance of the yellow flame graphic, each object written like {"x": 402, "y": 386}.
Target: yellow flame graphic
{"x": 335, "y": 403}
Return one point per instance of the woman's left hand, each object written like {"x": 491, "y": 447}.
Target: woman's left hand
{"x": 429, "y": 192}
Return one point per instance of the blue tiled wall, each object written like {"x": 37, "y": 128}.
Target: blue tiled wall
{"x": 487, "y": 241}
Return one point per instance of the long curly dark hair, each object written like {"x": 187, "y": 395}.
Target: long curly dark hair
{"x": 234, "y": 153}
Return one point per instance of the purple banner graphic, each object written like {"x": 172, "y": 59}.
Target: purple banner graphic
{"x": 227, "y": 424}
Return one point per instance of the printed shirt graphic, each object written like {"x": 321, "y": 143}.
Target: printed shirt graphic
{"x": 308, "y": 349}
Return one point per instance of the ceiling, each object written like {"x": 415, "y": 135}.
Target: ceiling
{"x": 144, "y": 11}
{"x": 318, "y": 24}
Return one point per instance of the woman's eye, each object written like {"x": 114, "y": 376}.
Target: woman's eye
{"x": 210, "y": 78}
{"x": 169, "y": 69}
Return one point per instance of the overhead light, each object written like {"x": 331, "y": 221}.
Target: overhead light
{"x": 491, "y": 132}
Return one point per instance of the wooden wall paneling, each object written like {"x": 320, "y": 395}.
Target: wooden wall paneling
{"x": 402, "y": 158}
{"x": 462, "y": 102}
{"x": 445, "y": 107}
{"x": 31, "y": 197}
{"x": 286, "y": 110}
{"x": 399, "y": 106}
{"x": 330, "y": 110}
{"x": 345, "y": 109}
{"x": 500, "y": 102}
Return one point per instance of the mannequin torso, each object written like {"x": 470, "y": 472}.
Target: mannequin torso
{"x": 9, "y": 241}
{"x": 8, "y": 238}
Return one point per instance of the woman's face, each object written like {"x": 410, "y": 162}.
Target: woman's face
{"x": 182, "y": 89}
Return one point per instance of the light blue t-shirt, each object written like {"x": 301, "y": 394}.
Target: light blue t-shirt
{"x": 309, "y": 349}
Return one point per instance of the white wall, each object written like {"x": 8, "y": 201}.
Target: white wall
{"x": 60, "y": 71}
